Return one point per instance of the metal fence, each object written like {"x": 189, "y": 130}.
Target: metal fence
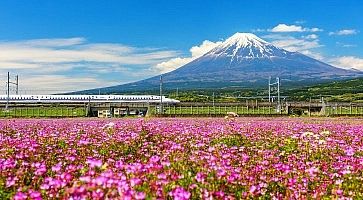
{"x": 215, "y": 110}
{"x": 181, "y": 110}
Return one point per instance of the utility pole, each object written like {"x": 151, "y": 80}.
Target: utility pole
{"x": 269, "y": 89}
{"x": 161, "y": 94}
{"x": 8, "y": 88}
{"x": 8, "y": 92}
{"x": 17, "y": 84}
{"x": 278, "y": 94}
{"x": 213, "y": 99}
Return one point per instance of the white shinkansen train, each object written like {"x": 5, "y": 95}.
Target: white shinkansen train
{"x": 86, "y": 98}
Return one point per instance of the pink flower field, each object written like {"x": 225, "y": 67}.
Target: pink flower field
{"x": 266, "y": 158}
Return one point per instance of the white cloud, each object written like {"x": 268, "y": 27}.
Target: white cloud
{"x": 291, "y": 43}
{"x": 340, "y": 44}
{"x": 280, "y": 28}
{"x": 344, "y": 32}
{"x": 287, "y": 28}
{"x": 172, "y": 64}
{"x": 307, "y": 45}
{"x": 102, "y": 53}
{"x": 349, "y": 45}
{"x": 52, "y": 61}
{"x": 313, "y": 54}
{"x": 56, "y": 42}
{"x": 258, "y": 30}
{"x": 300, "y": 22}
{"x": 314, "y": 29}
{"x": 39, "y": 84}
{"x": 196, "y": 51}
{"x": 311, "y": 36}
{"x": 206, "y": 46}
{"x": 348, "y": 62}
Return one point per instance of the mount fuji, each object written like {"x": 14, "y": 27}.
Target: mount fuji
{"x": 243, "y": 60}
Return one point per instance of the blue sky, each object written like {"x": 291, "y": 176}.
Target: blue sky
{"x": 72, "y": 45}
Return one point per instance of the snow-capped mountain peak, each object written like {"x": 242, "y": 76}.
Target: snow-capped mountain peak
{"x": 245, "y": 40}
{"x": 246, "y": 46}
{"x": 243, "y": 60}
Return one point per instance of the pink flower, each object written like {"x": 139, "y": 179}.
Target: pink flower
{"x": 253, "y": 189}
{"x": 97, "y": 194}
{"x": 34, "y": 195}
{"x": 57, "y": 167}
{"x": 94, "y": 163}
{"x": 10, "y": 181}
{"x": 135, "y": 181}
{"x": 349, "y": 151}
{"x": 100, "y": 180}
{"x": 180, "y": 193}
{"x": 162, "y": 176}
{"x": 140, "y": 195}
{"x": 312, "y": 171}
{"x": 86, "y": 179}
{"x": 154, "y": 159}
{"x": 20, "y": 196}
{"x": 219, "y": 194}
{"x": 200, "y": 177}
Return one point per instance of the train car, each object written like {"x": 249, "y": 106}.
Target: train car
{"x": 86, "y": 99}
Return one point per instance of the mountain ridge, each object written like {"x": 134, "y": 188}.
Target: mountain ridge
{"x": 241, "y": 60}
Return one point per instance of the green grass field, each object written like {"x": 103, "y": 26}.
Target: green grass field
{"x": 43, "y": 112}
{"x": 59, "y": 112}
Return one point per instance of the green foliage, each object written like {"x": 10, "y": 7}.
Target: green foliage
{"x": 344, "y": 90}
{"x": 290, "y": 146}
{"x": 231, "y": 140}
{"x": 4, "y": 192}
{"x": 62, "y": 144}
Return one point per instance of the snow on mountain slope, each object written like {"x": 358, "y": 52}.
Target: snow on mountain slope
{"x": 246, "y": 45}
{"x": 247, "y": 52}
{"x": 243, "y": 60}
